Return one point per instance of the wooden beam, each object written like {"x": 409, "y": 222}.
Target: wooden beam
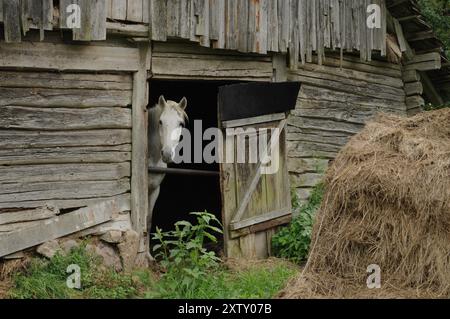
{"x": 419, "y": 36}
{"x": 39, "y": 55}
{"x": 404, "y": 45}
{"x": 254, "y": 120}
{"x": 424, "y": 62}
{"x": 58, "y": 226}
{"x": 413, "y": 88}
{"x": 139, "y": 157}
{"x": 28, "y": 215}
{"x": 260, "y": 219}
{"x": 129, "y": 30}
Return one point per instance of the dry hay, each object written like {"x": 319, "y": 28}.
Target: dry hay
{"x": 387, "y": 202}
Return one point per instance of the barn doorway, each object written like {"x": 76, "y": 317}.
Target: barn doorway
{"x": 195, "y": 193}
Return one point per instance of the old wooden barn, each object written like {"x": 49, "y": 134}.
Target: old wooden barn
{"x": 73, "y": 104}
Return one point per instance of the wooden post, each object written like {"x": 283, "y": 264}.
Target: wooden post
{"x": 139, "y": 148}
{"x": 279, "y": 68}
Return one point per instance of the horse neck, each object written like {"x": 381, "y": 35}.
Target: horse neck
{"x": 154, "y": 140}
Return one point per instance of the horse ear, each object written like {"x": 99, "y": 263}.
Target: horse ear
{"x": 162, "y": 101}
{"x": 183, "y": 103}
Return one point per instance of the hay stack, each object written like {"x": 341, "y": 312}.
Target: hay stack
{"x": 387, "y": 202}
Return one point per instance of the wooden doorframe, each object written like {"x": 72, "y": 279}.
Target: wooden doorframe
{"x": 139, "y": 146}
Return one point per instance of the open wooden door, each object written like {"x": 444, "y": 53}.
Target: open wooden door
{"x": 254, "y": 178}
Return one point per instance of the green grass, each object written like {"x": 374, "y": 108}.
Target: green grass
{"x": 46, "y": 279}
{"x": 255, "y": 282}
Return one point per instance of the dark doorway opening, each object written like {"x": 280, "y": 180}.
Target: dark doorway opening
{"x": 181, "y": 194}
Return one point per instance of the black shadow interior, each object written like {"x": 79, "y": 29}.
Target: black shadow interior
{"x": 182, "y": 194}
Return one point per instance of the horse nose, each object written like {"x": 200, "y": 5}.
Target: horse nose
{"x": 166, "y": 155}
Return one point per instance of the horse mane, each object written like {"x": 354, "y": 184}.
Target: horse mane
{"x": 179, "y": 110}
{"x": 156, "y": 110}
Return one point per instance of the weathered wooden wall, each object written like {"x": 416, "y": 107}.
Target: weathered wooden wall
{"x": 300, "y": 27}
{"x": 65, "y": 138}
{"x": 333, "y": 105}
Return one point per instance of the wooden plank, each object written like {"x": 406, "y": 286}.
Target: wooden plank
{"x": 124, "y": 202}
{"x": 283, "y": 27}
{"x": 66, "y": 98}
{"x": 246, "y": 30}
{"x": 57, "y": 227}
{"x": 411, "y": 76}
{"x": 185, "y": 19}
{"x": 261, "y": 227}
{"x": 310, "y": 34}
{"x": 37, "y": 14}
{"x": 18, "y": 192}
{"x": 313, "y": 93}
{"x": 217, "y": 67}
{"x": 347, "y": 85}
{"x": 93, "y": 21}
{"x": 257, "y": 26}
{"x": 302, "y": 27}
{"x": 426, "y": 57}
{"x": 273, "y": 25}
{"x": 61, "y": 155}
{"x": 14, "y": 139}
{"x": 146, "y": 11}
{"x": 214, "y": 17}
{"x": 294, "y": 37}
{"x": 345, "y": 74}
{"x": 120, "y": 223}
{"x": 254, "y": 120}
{"x": 119, "y": 9}
{"x": 424, "y": 66}
{"x": 63, "y": 172}
{"x": 63, "y": 12}
{"x": 229, "y": 200}
{"x": 200, "y": 21}
{"x": 413, "y": 88}
{"x": 109, "y": 9}
{"x": 57, "y": 80}
{"x": 261, "y": 245}
{"x": 11, "y": 21}
{"x": 221, "y": 20}
{"x": 173, "y": 18}
{"x": 259, "y": 219}
{"x": 70, "y": 57}
{"x": 28, "y": 215}
{"x": 134, "y": 10}
{"x": 139, "y": 160}
{"x": 158, "y": 20}
{"x": 60, "y": 119}
{"x": 415, "y": 101}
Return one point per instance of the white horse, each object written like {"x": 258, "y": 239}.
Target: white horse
{"x": 165, "y": 124}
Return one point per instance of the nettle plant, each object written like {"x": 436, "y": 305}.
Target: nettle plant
{"x": 182, "y": 252}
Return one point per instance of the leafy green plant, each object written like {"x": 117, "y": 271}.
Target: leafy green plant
{"x": 292, "y": 242}
{"x": 182, "y": 253}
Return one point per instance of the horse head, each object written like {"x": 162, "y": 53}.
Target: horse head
{"x": 171, "y": 122}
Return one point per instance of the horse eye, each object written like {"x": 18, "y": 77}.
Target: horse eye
{"x": 160, "y": 122}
